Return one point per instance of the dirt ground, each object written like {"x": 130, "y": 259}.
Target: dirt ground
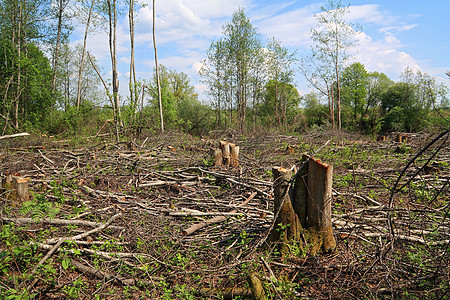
{"x": 109, "y": 220}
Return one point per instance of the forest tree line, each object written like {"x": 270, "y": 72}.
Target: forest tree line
{"x": 49, "y": 86}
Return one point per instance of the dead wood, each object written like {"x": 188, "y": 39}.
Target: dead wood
{"x": 19, "y": 221}
{"x": 13, "y": 135}
{"x": 84, "y": 234}
{"x": 216, "y": 219}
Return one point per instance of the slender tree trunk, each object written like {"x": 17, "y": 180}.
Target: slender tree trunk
{"x": 112, "y": 12}
{"x": 331, "y": 103}
{"x": 158, "y": 83}
{"x": 338, "y": 101}
{"x": 58, "y": 42}
{"x": 133, "y": 87}
{"x": 19, "y": 71}
{"x": 83, "y": 53}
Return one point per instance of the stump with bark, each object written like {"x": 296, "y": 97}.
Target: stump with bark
{"x": 15, "y": 189}
{"x": 303, "y": 207}
{"x": 226, "y": 155}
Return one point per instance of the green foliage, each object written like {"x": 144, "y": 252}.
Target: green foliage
{"x": 281, "y": 104}
{"x": 39, "y": 208}
{"x": 354, "y": 83}
{"x": 32, "y": 91}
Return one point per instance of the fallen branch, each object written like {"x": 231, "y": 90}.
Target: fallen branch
{"x": 84, "y": 234}
{"x": 13, "y": 135}
{"x": 217, "y": 219}
{"x": 108, "y": 276}
{"x": 54, "y": 222}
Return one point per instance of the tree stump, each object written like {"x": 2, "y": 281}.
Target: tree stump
{"x": 287, "y": 226}
{"x": 226, "y": 155}
{"x": 401, "y": 138}
{"x": 17, "y": 187}
{"x": 320, "y": 231}
{"x": 218, "y": 157}
{"x": 304, "y": 208}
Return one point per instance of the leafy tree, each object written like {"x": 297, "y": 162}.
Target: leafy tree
{"x": 22, "y": 22}
{"x": 35, "y": 94}
{"x": 283, "y": 95}
{"x": 68, "y": 80}
{"x": 354, "y": 81}
{"x": 401, "y": 109}
{"x": 242, "y": 43}
{"x": 331, "y": 39}
{"x": 216, "y": 75}
{"x": 280, "y": 70}
{"x": 315, "y": 112}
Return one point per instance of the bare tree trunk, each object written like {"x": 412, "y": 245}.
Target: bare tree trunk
{"x": 133, "y": 87}
{"x": 338, "y": 88}
{"x": 112, "y": 12}
{"x": 157, "y": 71}
{"x": 58, "y": 42}
{"x": 19, "y": 71}
{"x": 83, "y": 53}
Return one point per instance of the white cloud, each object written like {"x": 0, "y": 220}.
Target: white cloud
{"x": 371, "y": 13}
{"x": 292, "y": 27}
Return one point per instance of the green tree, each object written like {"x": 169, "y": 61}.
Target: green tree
{"x": 331, "y": 39}
{"x": 354, "y": 83}
{"x": 286, "y": 97}
{"x": 242, "y": 43}
{"x": 401, "y": 109}
{"x": 315, "y": 112}
{"x": 280, "y": 70}
{"x": 22, "y": 23}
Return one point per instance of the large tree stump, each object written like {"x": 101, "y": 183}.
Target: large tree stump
{"x": 287, "y": 224}
{"x": 320, "y": 231}
{"x": 304, "y": 208}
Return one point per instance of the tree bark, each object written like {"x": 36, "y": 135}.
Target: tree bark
{"x": 158, "y": 83}
{"x": 320, "y": 178}
{"x": 83, "y": 53}
{"x": 287, "y": 227}
{"x": 303, "y": 210}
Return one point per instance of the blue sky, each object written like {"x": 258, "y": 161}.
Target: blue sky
{"x": 395, "y": 34}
